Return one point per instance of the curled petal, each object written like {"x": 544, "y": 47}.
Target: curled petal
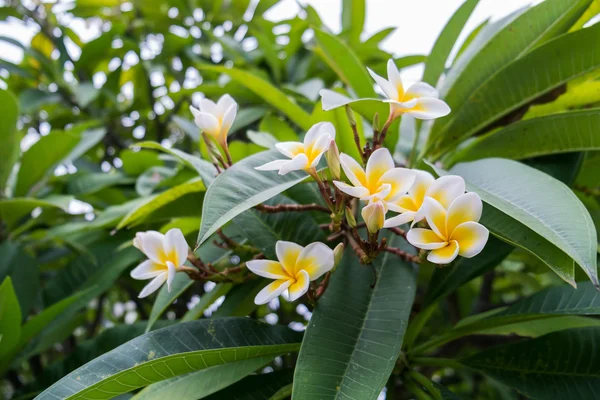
{"x": 208, "y": 123}
{"x": 295, "y": 164}
{"x": 287, "y": 254}
{"x": 425, "y": 239}
{"x": 466, "y": 207}
{"x": 400, "y": 179}
{"x": 318, "y": 130}
{"x": 171, "y": 271}
{"x": 176, "y": 248}
{"x": 316, "y": 259}
{"x": 228, "y": 118}
{"x": 423, "y": 180}
{"x": 146, "y": 270}
{"x": 267, "y": 269}
{"x": 319, "y": 147}
{"x": 290, "y": 149}
{"x": 394, "y": 78}
{"x": 272, "y": 166}
{"x": 152, "y": 244}
{"x": 471, "y": 238}
{"x": 446, "y": 189}
{"x": 297, "y": 289}
{"x": 422, "y": 89}
{"x": 353, "y": 170}
{"x": 389, "y": 89}
{"x": 444, "y": 255}
{"x": 379, "y": 163}
{"x": 208, "y": 106}
{"x": 272, "y": 290}
{"x": 354, "y": 191}
{"x": 435, "y": 215}
{"x": 153, "y": 285}
{"x": 398, "y": 220}
{"x": 429, "y": 108}
{"x": 224, "y": 103}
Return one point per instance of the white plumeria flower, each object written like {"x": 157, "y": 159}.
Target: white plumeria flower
{"x": 296, "y": 268}
{"x": 453, "y": 232}
{"x": 374, "y": 215}
{"x": 381, "y": 180}
{"x": 304, "y": 156}
{"x": 166, "y": 255}
{"x": 215, "y": 119}
{"x": 420, "y": 100}
{"x": 445, "y": 190}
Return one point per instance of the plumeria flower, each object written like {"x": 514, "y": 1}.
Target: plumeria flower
{"x": 166, "y": 255}
{"x": 452, "y": 232}
{"x": 374, "y": 215}
{"x": 296, "y": 268}
{"x": 303, "y": 156}
{"x": 445, "y": 190}
{"x": 381, "y": 179}
{"x": 215, "y": 119}
{"x": 420, "y": 100}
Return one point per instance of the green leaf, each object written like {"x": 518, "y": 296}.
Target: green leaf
{"x": 10, "y": 318}
{"x": 9, "y": 151}
{"x": 12, "y": 210}
{"x": 139, "y": 214}
{"x": 257, "y": 387}
{"x": 501, "y": 43}
{"x": 203, "y": 383}
{"x": 342, "y": 60}
{"x": 353, "y": 18}
{"x": 560, "y": 133}
{"x": 560, "y": 365}
{"x": 520, "y": 83}
{"x": 538, "y": 201}
{"x": 539, "y": 327}
{"x": 247, "y": 116}
{"x": 262, "y": 139}
{"x": 269, "y": 93}
{"x": 436, "y": 61}
{"x": 264, "y": 229}
{"x": 242, "y": 187}
{"x": 355, "y": 334}
{"x": 24, "y": 271}
{"x": 41, "y": 158}
{"x": 173, "y": 351}
{"x": 446, "y": 280}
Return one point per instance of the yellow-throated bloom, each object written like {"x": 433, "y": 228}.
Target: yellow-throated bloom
{"x": 296, "y": 268}
{"x": 215, "y": 119}
{"x": 166, "y": 254}
{"x": 452, "y": 232}
{"x": 445, "y": 190}
{"x": 381, "y": 180}
{"x": 374, "y": 215}
{"x": 420, "y": 100}
{"x": 303, "y": 156}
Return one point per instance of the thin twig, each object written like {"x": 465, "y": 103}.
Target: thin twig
{"x": 291, "y": 207}
{"x": 404, "y": 255}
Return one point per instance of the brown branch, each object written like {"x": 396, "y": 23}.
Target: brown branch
{"x": 398, "y": 231}
{"x": 403, "y": 254}
{"x": 291, "y": 207}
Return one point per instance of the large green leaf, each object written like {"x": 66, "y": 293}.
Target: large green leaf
{"x": 560, "y": 365}
{"x": 499, "y": 44}
{"x": 355, "y": 334}
{"x": 241, "y": 187}
{"x": 9, "y": 151}
{"x": 520, "y": 83}
{"x": 173, "y": 351}
{"x": 267, "y": 92}
{"x": 342, "y": 60}
{"x": 12, "y": 210}
{"x": 560, "y": 133}
{"x": 256, "y": 387}
{"x": 538, "y": 201}
{"x": 24, "y": 271}
{"x": 436, "y": 61}
{"x": 42, "y": 157}
{"x": 10, "y": 318}
{"x": 353, "y": 18}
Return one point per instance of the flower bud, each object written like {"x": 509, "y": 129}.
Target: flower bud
{"x": 374, "y": 216}
{"x": 350, "y": 115}
{"x": 338, "y": 253}
{"x": 333, "y": 160}
{"x": 350, "y": 217}
{"x": 376, "y": 122}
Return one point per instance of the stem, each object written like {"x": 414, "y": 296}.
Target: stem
{"x": 416, "y": 390}
{"x": 357, "y": 249}
{"x": 325, "y": 193}
{"x": 292, "y": 207}
{"x": 413, "y": 150}
{"x": 426, "y": 383}
{"x": 227, "y": 153}
{"x": 417, "y": 325}
{"x": 437, "y": 362}
{"x": 384, "y": 131}
{"x": 398, "y": 231}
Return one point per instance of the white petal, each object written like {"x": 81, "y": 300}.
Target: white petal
{"x": 272, "y": 166}
{"x": 466, "y": 207}
{"x": 379, "y": 163}
{"x": 171, "y": 271}
{"x": 267, "y": 269}
{"x": 394, "y": 77}
{"x": 224, "y": 104}
{"x": 400, "y": 179}
{"x": 382, "y": 193}
{"x": 353, "y": 170}
{"x": 374, "y": 216}
{"x": 423, "y": 180}
{"x": 331, "y": 99}
{"x": 389, "y": 89}
{"x": 429, "y": 108}
{"x": 316, "y": 131}
{"x": 297, "y": 163}
{"x": 176, "y": 245}
{"x": 297, "y": 290}
{"x": 444, "y": 255}
{"x": 354, "y": 191}
{"x": 271, "y": 291}
{"x": 319, "y": 148}
{"x": 153, "y": 285}
{"x": 435, "y": 215}
{"x": 316, "y": 259}
{"x": 208, "y": 106}
{"x": 446, "y": 189}
{"x": 471, "y": 238}
{"x": 194, "y": 111}
{"x": 398, "y": 220}
{"x": 208, "y": 123}
{"x": 424, "y": 239}
{"x": 402, "y": 106}
{"x": 422, "y": 89}
{"x": 290, "y": 149}
{"x": 228, "y": 119}
{"x": 146, "y": 270}
{"x": 153, "y": 244}
{"x": 287, "y": 254}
